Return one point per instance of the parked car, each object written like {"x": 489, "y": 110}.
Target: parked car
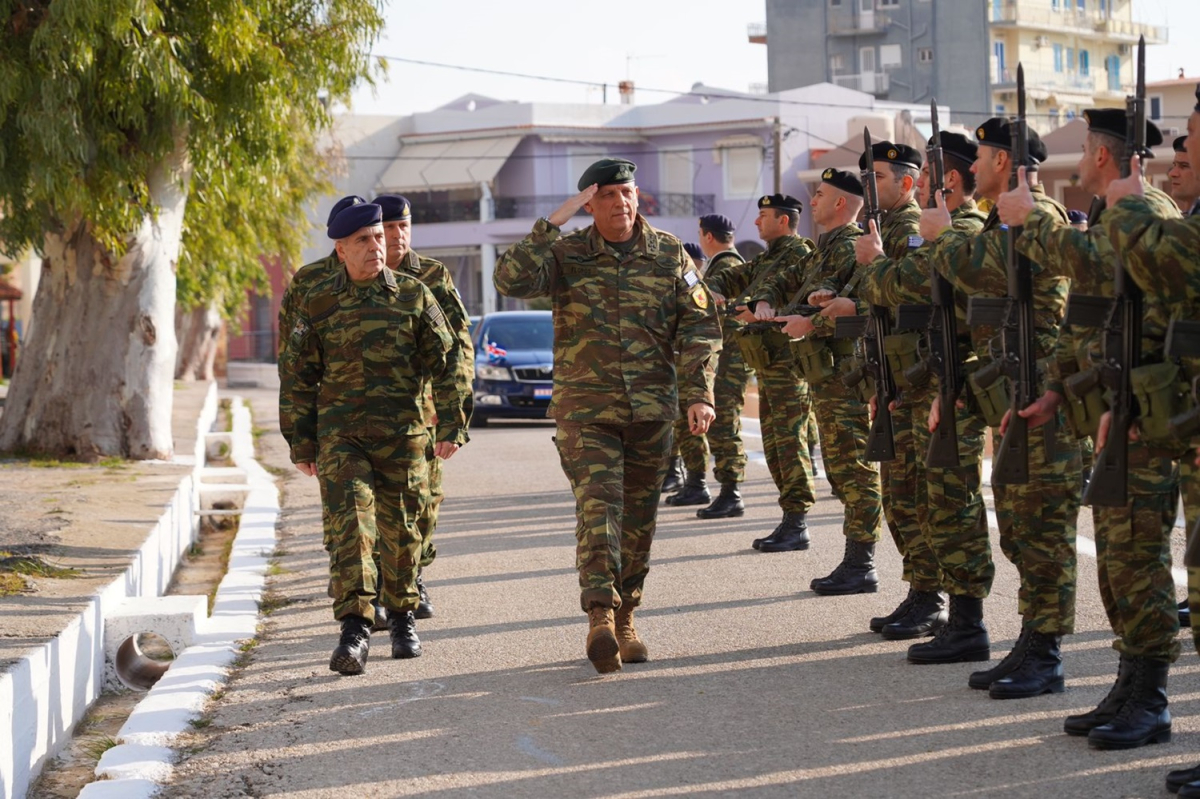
{"x": 514, "y": 366}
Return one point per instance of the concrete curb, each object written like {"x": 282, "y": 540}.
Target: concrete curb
{"x": 143, "y": 760}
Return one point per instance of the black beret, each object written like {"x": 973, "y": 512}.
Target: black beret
{"x": 1112, "y": 122}
{"x": 846, "y": 181}
{"x": 1076, "y": 217}
{"x": 341, "y": 205}
{"x": 997, "y": 132}
{"x": 395, "y": 207}
{"x": 694, "y": 250}
{"x": 608, "y": 171}
{"x": 1179, "y": 144}
{"x": 957, "y": 145}
{"x": 716, "y": 223}
{"x": 782, "y": 202}
{"x": 900, "y": 154}
{"x": 353, "y": 218}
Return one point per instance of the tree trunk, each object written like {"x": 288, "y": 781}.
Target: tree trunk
{"x": 198, "y": 332}
{"x": 95, "y": 377}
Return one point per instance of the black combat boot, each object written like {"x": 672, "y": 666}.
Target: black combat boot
{"x": 727, "y": 504}
{"x": 964, "y": 638}
{"x": 1106, "y": 711}
{"x": 925, "y": 616}
{"x": 854, "y": 575}
{"x": 1180, "y": 777}
{"x": 1040, "y": 671}
{"x": 424, "y": 604}
{"x": 877, "y": 623}
{"x": 1144, "y": 718}
{"x": 790, "y": 535}
{"x": 1185, "y": 615}
{"x": 350, "y": 657}
{"x": 694, "y": 491}
{"x": 380, "y": 623}
{"x": 1189, "y": 790}
{"x": 403, "y": 628}
{"x": 771, "y": 536}
{"x": 982, "y": 680}
{"x": 674, "y": 479}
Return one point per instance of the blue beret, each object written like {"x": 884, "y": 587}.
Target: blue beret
{"x": 780, "y": 202}
{"x": 353, "y": 218}
{"x": 694, "y": 250}
{"x": 341, "y": 205}
{"x": 716, "y": 223}
{"x": 608, "y": 171}
{"x": 395, "y": 207}
{"x": 1076, "y": 217}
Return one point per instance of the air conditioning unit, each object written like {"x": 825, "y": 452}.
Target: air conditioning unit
{"x": 1041, "y": 41}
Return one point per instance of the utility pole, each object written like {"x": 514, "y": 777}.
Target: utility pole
{"x": 777, "y": 138}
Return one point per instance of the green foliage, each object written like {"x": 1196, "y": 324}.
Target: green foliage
{"x": 97, "y": 94}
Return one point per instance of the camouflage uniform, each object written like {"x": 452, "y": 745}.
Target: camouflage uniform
{"x": 619, "y": 318}
{"x": 951, "y": 550}
{"x": 1037, "y": 520}
{"x": 729, "y": 391}
{"x": 351, "y": 376}
{"x": 784, "y": 403}
{"x": 841, "y": 414}
{"x": 693, "y": 449}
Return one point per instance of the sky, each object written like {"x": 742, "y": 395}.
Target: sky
{"x": 664, "y": 46}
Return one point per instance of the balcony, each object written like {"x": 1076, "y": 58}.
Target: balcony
{"x": 756, "y": 32}
{"x": 858, "y": 24}
{"x": 426, "y": 213}
{"x": 875, "y": 83}
{"x": 651, "y": 204}
{"x": 1023, "y": 14}
{"x": 1043, "y": 84}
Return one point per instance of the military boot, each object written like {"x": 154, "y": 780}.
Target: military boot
{"x": 790, "y": 535}
{"x": 854, "y": 575}
{"x": 1144, "y": 718}
{"x": 1189, "y": 790}
{"x": 877, "y": 623}
{"x": 632, "y": 648}
{"x": 727, "y": 504}
{"x": 964, "y": 638}
{"x": 350, "y": 656}
{"x": 381, "y": 618}
{"x": 771, "y": 536}
{"x": 1040, "y": 671}
{"x": 424, "y": 604}
{"x": 925, "y": 616}
{"x": 674, "y": 479}
{"x": 1185, "y": 615}
{"x": 694, "y": 491}
{"x": 1106, "y": 711}
{"x": 982, "y": 680}
{"x": 602, "y": 647}
{"x": 1180, "y": 777}
{"x": 402, "y": 626}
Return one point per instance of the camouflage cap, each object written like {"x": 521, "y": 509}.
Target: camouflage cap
{"x": 899, "y": 154}
{"x": 1112, "y": 121}
{"x": 395, "y": 207}
{"x": 608, "y": 171}
{"x": 352, "y": 218}
{"x": 957, "y": 145}
{"x": 716, "y": 223}
{"x": 1180, "y": 144}
{"x": 342, "y": 205}
{"x": 846, "y": 181}
{"x": 997, "y": 132}
{"x": 782, "y": 202}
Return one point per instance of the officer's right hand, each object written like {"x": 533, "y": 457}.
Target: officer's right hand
{"x": 571, "y": 207}
{"x": 764, "y": 312}
{"x": 309, "y": 469}
{"x": 1124, "y": 187}
{"x": 935, "y": 221}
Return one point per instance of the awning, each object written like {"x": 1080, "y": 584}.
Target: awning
{"x": 445, "y": 165}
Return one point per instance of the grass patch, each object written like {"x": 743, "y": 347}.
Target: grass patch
{"x": 95, "y": 746}
{"x": 277, "y": 471}
{"x": 275, "y": 570}
{"x": 33, "y": 566}
{"x": 272, "y": 602}
{"x": 12, "y": 584}
{"x": 114, "y": 462}
{"x": 204, "y": 722}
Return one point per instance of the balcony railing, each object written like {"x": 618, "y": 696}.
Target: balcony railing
{"x": 756, "y": 32}
{"x": 857, "y": 25}
{"x": 425, "y": 213}
{"x": 1021, "y": 13}
{"x": 870, "y": 82}
{"x": 650, "y": 204}
{"x": 1073, "y": 82}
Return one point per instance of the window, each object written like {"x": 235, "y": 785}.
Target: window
{"x": 677, "y": 171}
{"x": 925, "y": 55}
{"x": 742, "y": 159}
{"x": 890, "y": 57}
{"x": 889, "y": 3}
{"x": 1156, "y": 107}
{"x": 1056, "y": 4}
{"x": 1081, "y": 6}
{"x": 1113, "y": 65}
{"x": 1070, "y": 59}
{"x": 1001, "y": 67}
{"x": 837, "y": 63}
{"x": 835, "y": 3}
{"x": 1058, "y": 58}
{"x": 999, "y": 109}
{"x": 1084, "y": 65}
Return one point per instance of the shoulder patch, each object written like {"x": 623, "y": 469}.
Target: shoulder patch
{"x": 700, "y": 297}
{"x": 435, "y": 316}
{"x": 300, "y": 330}
{"x": 914, "y": 242}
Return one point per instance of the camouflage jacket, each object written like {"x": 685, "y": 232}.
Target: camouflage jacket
{"x": 720, "y": 263}
{"x": 290, "y": 306}
{"x": 355, "y": 360}
{"x": 619, "y": 319}
{"x": 977, "y": 264}
{"x": 736, "y": 283}
{"x": 829, "y": 266}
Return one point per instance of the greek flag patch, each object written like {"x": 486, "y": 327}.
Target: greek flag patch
{"x": 914, "y": 242}
{"x": 691, "y": 278}
{"x": 435, "y": 316}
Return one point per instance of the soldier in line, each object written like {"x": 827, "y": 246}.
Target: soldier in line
{"x": 625, "y": 299}
{"x": 784, "y": 401}
{"x": 952, "y": 551}
{"x": 1133, "y": 543}
{"x": 691, "y": 450}
{"x": 841, "y": 410}
{"x": 364, "y": 342}
{"x": 1037, "y": 519}
{"x": 1185, "y": 185}
{"x": 729, "y": 388}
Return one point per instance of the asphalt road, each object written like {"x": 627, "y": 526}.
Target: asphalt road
{"x": 756, "y": 686}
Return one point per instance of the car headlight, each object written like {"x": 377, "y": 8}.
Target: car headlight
{"x": 489, "y": 372}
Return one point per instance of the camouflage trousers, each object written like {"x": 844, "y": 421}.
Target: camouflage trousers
{"x": 844, "y": 424}
{"x": 950, "y": 507}
{"x": 903, "y": 482}
{"x": 725, "y": 434}
{"x": 1037, "y": 529}
{"x": 693, "y": 449}
{"x": 784, "y": 413}
{"x": 1189, "y": 484}
{"x": 433, "y": 495}
{"x": 615, "y": 472}
{"x": 1133, "y": 557}
{"x": 372, "y": 493}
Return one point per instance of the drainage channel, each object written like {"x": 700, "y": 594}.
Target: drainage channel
{"x": 188, "y": 637}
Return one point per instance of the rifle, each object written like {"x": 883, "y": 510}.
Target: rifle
{"x": 1121, "y": 319}
{"x": 873, "y": 329}
{"x": 1014, "y": 315}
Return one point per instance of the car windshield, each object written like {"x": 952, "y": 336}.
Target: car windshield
{"x": 521, "y": 334}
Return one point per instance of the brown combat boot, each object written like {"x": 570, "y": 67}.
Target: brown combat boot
{"x": 632, "y": 648}
{"x": 602, "y": 647}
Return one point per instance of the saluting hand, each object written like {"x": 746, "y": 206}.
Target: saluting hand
{"x": 935, "y": 221}
{"x": 868, "y": 246}
{"x": 1015, "y": 206}
{"x": 1124, "y": 187}
{"x": 571, "y": 207}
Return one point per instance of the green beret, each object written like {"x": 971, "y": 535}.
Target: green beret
{"x": 608, "y": 171}
{"x": 782, "y": 202}
{"x": 846, "y": 181}
{"x": 1112, "y": 122}
{"x": 900, "y": 154}
{"x": 997, "y": 132}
